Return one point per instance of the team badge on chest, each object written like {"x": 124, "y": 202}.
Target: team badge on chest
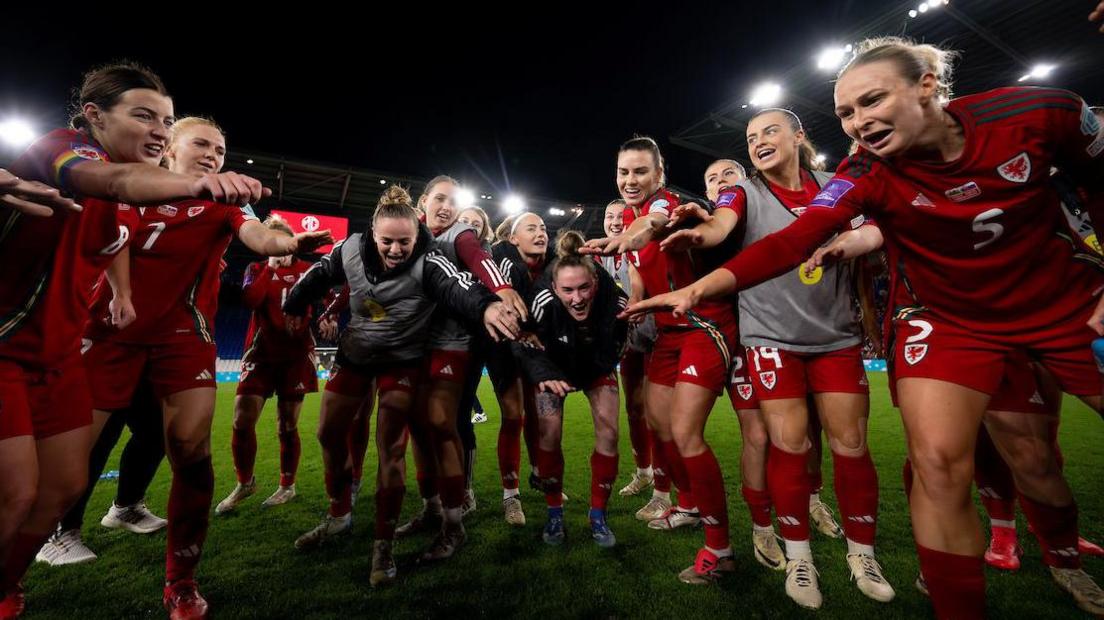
{"x": 1017, "y": 169}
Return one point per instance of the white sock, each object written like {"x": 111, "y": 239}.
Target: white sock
{"x": 762, "y": 528}
{"x": 798, "y": 549}
{"x": 720, "y": 553}
{"x": 452, "y": 515}
{"x": 508, "y": 493}
{"x": 854, "y": 547}
{"x": 644, "y": 472}
{"x": 663, "y": 495}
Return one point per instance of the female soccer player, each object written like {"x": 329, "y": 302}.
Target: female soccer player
{"x": 801, "y": 338}
{"x": 689, "y": 365}
{"x": 961, "y": 192}
{"x": 632, "y": 365}
{"x": 171, "y": 345}
{"x": 277, "y": 361}
{"x": 575, "y": 310}
{"x": 441, "y": 471}
{"x": 521, "y": 258}
{"x": 395, "y": 280}
{"x": 109, "y": 155}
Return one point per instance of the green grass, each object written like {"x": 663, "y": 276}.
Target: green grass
{"x": 251, "y": 570}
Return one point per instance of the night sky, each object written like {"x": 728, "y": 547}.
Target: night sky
{"x": 506, "y": 100}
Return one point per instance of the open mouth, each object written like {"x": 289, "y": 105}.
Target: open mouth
{"x": 391, "y": 262}
{"x": 877, "y": 139}
{"x": 765, "y": 154}
{"x": 153, "y": 149}
{"x": 632, "y": 193}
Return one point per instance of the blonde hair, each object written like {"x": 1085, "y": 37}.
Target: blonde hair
{"x": 502, "y": 231}
{"x": 488, "y": 235}
{"x": 395, "y": 202}
{"x": 184, "y": 124}
{"x": 275, "y": 222}
{"x": 913, "y": 60}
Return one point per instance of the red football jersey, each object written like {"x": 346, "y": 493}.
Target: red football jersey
{"x": 174, "y": 272}
{"x": 264, "y": 290}
{"x": 663, "y": 272}
{"x": 52, "y": 263}
{"x": 979, "y": 241}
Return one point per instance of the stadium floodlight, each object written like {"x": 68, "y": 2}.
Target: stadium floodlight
{"x": 832, "y": 57}
{"x": 1038, "y": 72}
{"x": 464, "y": 198}
{"x": 383, "y": 181}
{"x": 16, "y": 132}
{"x": 556, "y": 212}
{"x": 913, "y": 13}
{"x": 513, "y": 205}
{"x": 249, "y": 161}
{"x": 766, "y": 94}
{"x": 923, "y": 8}
{"x": 820, "y": 158}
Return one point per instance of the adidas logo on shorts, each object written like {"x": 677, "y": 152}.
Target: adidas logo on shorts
{"x": 404, "y": 382}
{"x": 447, "y": 370}
{"x": 300, "y": 386}
{"x": 691, "y": 371}
{"x": 204, "y": 376}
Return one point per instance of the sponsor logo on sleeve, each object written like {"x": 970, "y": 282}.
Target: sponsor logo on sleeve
{"x": 830, "y": 194}
{"x": 962, "y": 193}
{"x": 1017, "y": 169}
{"x": 167, "y": 210}
{"x": 726, "y": 199}
{"x": 659, "y": 205}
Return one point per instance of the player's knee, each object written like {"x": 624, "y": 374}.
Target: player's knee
{"x": 1036, "y": 463}
{"x": 850, "y": 442}
{"x": 688, "y": 442}
{"x": 754, "y": 436}
{"x": 943, "y": 476}
{"x": 185, "y": 450}
{"x": 17, "y": 498}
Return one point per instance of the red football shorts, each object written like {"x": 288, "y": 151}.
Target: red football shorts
{"x": 787, "y": 374}
{"x": 741, "y": 387}
{"x": 698, "y": 356}
{"x": 445, "y": 365}
{"x": 115, "y": 369}
{"x": 286, "y": 379}
{"x": 43, "y": 403}
{"x": 358, "y": 381}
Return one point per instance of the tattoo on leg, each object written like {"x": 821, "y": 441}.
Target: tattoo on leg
{"x": 549, "y": 404}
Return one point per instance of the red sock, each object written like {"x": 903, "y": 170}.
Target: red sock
{"x": 427, "y": 484}
{"x": 906, "y": 475}
{"x": 530, "y": 432}
{"x": 509, "y": 452}
{"x": 759, "y": 504}
{"x": 388, "y": 507}
{"x": 21, "y": 553}
{"x": 1056, "y": 529}
{"x": 676, "y": 469}
{"x": 708, "y": 484}
{"x": 339, "y": 489}
{"x": 289, "y": 457}
{"x": 816, "y": 480}
{"x": 661, "y": 479}
{"x": 956, "y": 583}
{"x": 243, "y": 445}
{"x": 640, "y": 438}
{"x": 358, "y": 446}
{"x": 603, "y": 472}
{"x": 856, "y": 483}
{"x": 994, "y": 480}
{"x": 788, "y": 484}
{"x": 189, "y": 505}
{"x": 452, "y": 491}
{"x": 551, "y": 464}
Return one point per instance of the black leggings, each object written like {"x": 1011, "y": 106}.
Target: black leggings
{"x": 140, "y": 459}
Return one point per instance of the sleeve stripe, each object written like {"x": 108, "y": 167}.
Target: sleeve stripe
{"x": 496, "y": 275}
{"x": 450, "y": 270}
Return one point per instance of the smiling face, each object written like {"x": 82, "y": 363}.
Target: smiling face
{"x": 197, "y": 150}
{"x": 772, "y": 142}
{"x": 439, "y": 205}
{"x": 881, "y": 110}
{"x": 472, "y": 218}
{"x": 613, "y": 222}
{"x": 136, "y": 128}
{"x": 530, "y": 236}
{"x": 720, "y": 175}
{"x": 394, "y": 238}
{"x": 575, "y": 287}
{"x": 638, "y": 176}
